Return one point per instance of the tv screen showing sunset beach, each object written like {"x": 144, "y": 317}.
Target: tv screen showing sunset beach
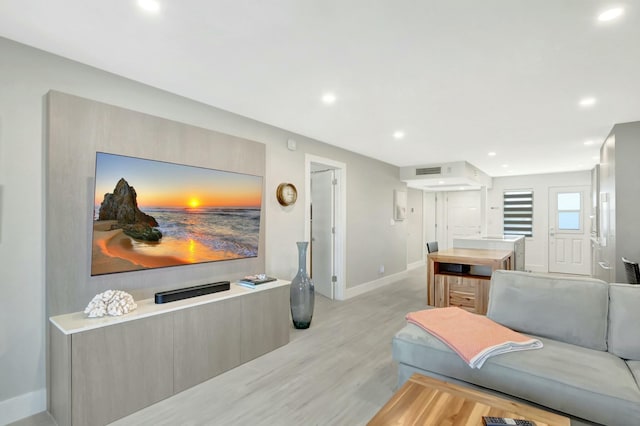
{"x": 153, "y": 214}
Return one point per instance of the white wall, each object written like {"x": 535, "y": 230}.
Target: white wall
{"x": 26, "y": 75}
{"x": 536, "y": 247}
{"x": 415, "y": 226}
{"x": 429, "y": 208}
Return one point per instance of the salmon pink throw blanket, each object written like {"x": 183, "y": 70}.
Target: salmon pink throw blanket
{"x": 474, "y": 337}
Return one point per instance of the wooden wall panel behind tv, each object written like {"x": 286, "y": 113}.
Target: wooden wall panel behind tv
{"x": 76, "y": 129}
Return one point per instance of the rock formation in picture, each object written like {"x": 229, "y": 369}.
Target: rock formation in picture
{"x": 122, "y": 206}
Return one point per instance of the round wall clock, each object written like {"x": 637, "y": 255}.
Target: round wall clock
{"x": 287, "y": 194}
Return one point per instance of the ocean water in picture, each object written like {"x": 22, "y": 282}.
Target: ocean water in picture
{"x": 234, "y": 231}
{"x": 189, "y": 235}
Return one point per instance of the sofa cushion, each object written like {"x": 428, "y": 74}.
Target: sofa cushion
{"x": 624, "y": 320}
{"x": 571, "y": 310}
{"x": 634, "y": 366}
{"x": 582, "y": 382}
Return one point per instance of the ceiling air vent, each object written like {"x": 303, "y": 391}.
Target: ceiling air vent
{"x": 428, "y": 171}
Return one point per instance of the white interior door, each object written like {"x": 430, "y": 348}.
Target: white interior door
{"x": 322, "y": 231}
{"x": 569, "y": 228}
{"x": 463, "y": 215}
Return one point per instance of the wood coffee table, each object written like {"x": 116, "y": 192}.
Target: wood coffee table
{"x": 427, "y": 401}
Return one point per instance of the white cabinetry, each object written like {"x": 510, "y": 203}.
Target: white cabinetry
{"x": 619, "y": 202}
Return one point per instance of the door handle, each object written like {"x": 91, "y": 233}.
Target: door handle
{"x": 604, "y": 265}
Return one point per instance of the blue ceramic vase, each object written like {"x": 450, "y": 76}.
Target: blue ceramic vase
{"x": 302, "y": 292}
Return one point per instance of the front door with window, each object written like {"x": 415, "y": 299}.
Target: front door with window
{"x": 569, "y": 244}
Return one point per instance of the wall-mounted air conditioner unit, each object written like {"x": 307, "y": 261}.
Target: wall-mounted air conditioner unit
{"x": 455, "y": 176}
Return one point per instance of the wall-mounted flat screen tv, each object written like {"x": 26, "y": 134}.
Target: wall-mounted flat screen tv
{"x": 153, "y": 214}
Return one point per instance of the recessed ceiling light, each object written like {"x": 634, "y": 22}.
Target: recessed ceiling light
{"x": 441, "y": 182}
{"x": 491, "y": 154}
{"x": 587, "y": 102}
{"x": 505, "y": 166}
{"x": 149, "y": 5}
{"x": 328, "y": 98}
{"x": 588, "y": 143}
{"x": 398, "y": 134}
{"x": 611, "y": 14}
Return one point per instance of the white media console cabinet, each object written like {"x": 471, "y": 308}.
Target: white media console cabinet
{"x": 102, "y": 369}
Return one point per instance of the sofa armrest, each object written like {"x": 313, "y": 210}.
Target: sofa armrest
{"x": 624, "y": 320}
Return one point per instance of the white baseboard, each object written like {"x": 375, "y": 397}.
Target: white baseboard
{"x": 22, "y": 406}
{"x": 372, "y": 285}
{"x": 415, "y": 265}
{"x": 536, "y": 268}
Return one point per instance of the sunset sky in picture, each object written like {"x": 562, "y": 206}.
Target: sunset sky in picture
{"x": 161, "y": 184}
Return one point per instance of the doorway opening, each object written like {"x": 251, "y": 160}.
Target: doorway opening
{"x": 325, "y": 217}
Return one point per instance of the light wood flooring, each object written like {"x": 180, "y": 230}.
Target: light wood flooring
{"x": 337, "y": 372}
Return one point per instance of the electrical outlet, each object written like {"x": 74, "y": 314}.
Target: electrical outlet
{"x": 381, "y": 269}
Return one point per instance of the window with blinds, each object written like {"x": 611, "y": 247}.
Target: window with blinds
{"x": 518, "y": 213}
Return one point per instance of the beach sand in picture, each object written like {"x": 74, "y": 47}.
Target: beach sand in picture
{"x": 114, "y": 251}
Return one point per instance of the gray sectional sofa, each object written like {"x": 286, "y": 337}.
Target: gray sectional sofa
{"x": 589, "y": 367}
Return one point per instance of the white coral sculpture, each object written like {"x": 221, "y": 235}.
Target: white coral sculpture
{"x": 111, "y": 302}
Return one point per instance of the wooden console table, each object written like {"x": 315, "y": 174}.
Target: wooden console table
{"x": 465, "y": 290}
{"x": 102, "y": 369}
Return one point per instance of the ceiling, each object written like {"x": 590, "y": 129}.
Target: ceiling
{"x": 460, "y": 78}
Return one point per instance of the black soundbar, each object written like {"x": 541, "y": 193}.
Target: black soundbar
{"x": 187, "y": 292}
